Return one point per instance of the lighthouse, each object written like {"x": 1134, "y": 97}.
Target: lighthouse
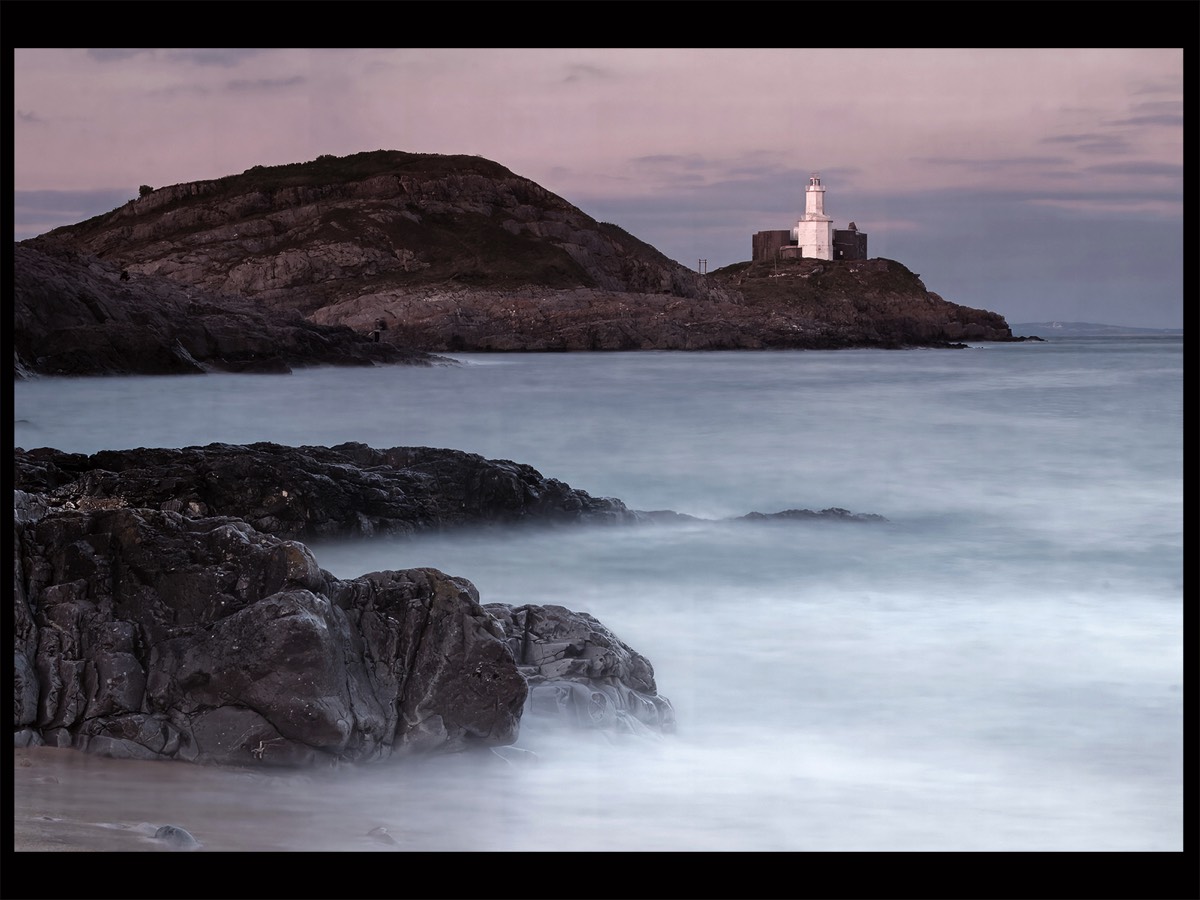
{"x": 814, "y": 233}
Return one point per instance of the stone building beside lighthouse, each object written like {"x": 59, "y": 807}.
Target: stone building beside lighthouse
{"x": 814, "y": 236}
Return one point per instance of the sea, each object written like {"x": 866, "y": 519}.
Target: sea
{"x": 996, "y": 667}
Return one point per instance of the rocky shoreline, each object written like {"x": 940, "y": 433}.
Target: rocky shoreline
{"x": 74, "y": 314}
{"x": 802, "y": 304}
{"x": 165, "y": 608}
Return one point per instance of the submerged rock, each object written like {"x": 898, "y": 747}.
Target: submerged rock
{"x": 832, "y": 514}
{"x": 178, "y": 838}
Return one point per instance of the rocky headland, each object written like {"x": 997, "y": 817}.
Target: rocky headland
{"x": 166, "y": 608}
{"x": 457, "y": 253}
{"x": 821, "y": 305}
{"x": 74, "y": 314}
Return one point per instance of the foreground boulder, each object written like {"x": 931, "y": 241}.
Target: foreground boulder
{"x": 144, "y": 634}
{"x": 148, "y": 634}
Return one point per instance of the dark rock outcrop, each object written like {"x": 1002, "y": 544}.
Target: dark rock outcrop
{"x": 310, "y": 492}
{"x": 833, "y": 513}
{"x": 76, "y": 315}
{"x": 141, "y": 633}
{"x": 576, "y": 668}
{"x": 457, "y": 253}
{"x": 857, "y": 303}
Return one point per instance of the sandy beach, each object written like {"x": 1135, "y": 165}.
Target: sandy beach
{"x": 68, "y": 801}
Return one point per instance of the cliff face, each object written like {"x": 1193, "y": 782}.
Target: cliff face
{"x": 74, "y": 314}
{"x": 872, "y": 301}
{"x": 458, "y": 253}
{"x": 808, "y": 304}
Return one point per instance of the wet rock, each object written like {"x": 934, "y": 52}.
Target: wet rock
{"x": 832, "y": 514}
{"x": 308, "y": 492}
{"x": 178, "y": 838}
{"x": 156, "y": 636}
{"x": 580, "y": 672}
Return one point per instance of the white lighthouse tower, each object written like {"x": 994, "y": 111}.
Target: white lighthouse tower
{"x": 814, "y": 233}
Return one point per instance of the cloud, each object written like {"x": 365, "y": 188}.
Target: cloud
{"x": 1158, "y": 106}
{"x": 1093, "y": 143}
{"x": 1095, "y": 206}
{"x": 180, "y": 91}
{"x": 1171, "y": 120}
{"x": 994, "y": 164}
{"x": 1165, "y": 113}
{"x": 116, "y": 54}
{"x": 265, "y": 84}
{"x": 191, "y": 56}
{"x": 672, "y": 160}
{"x": 213, "y": 56}
{"x": 1013, "y": 204}
{"x": 583, "y": 72}
{"x": 1142, "y": 168}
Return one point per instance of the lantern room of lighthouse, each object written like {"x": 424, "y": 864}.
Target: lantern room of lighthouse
{"x": 814, "y": 233}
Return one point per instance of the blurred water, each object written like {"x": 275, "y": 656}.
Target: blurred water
{"x": 997, "y": 668}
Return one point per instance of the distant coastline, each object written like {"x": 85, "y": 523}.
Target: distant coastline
{"x": 1086, "y": 329}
